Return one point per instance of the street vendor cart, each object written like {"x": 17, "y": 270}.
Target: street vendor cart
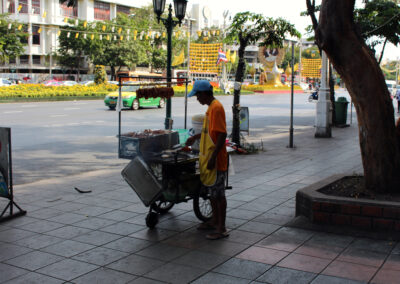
{"x": 161, "y": 173}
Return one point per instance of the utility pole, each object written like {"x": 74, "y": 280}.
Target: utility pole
{"x": 224, "y": 80}
{"x": 323, "y": 121}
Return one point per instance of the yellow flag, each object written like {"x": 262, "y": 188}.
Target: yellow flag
{"x": 233, "y": 57}
{"x": 85, "y": 24}
{"x": 135, "y": 32}
{"x": 58, "y": 32}
{"x": 178, "y": 60}
{"x": 19, "y": 8}
{"x": 76, "y": 35}
{"x": 20, "y": 27}
{"x": 103, "y": 28}
{"x": 119, "y": 30}
{"x": 228, "y": 55}
{"x": 65, "y": 20}
{"x": 134, "y": 37}
{"x": 121, "y": 37}
{"x": 39, "y": 30}
{"x": 44, "y": 14}
{"x": 163, "y": 34}
{"x": 92, "y": 37}
{"x": 199, "y": 33}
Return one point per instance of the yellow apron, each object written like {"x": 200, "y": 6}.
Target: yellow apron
{"x": 207, "y": 146}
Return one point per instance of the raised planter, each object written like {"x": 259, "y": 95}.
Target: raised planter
{"x": 335, "y": 210}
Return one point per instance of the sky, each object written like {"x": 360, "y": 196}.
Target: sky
{"x": 288, "y": 9}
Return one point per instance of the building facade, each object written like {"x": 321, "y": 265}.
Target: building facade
{"x": 43, "y": 19}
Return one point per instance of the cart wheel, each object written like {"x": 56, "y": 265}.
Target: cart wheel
{"x": 151, "y": 220}
{"x": 162, "y": 206}
{"x": 202, "y": 207}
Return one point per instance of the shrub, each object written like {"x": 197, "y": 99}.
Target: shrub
{"x": 100, "y": 75}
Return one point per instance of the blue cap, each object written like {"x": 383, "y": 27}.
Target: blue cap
{"x": 200, "y": 86}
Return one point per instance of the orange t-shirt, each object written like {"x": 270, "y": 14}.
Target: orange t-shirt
{"x": 217, "y": 123}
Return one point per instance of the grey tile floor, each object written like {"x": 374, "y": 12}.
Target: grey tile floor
{"x": 101, "y": 237}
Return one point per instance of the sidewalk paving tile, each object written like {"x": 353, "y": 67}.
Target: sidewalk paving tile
{"x": 264, "y": 255}
{"x": 68, "y": 218}
{"x": 128, "y": 244}
{"x": 67, "y": 269}
{"x": 118, "y": 215}
{"x": 136, "y": 264}
{"x": 243, "y": 237}
{"x": 154, "y": 235}
{"x": 325, "y": 279}
{"x": 143, "y": 280}
{"x": 122, "y": 228}
{"x": 304, "y": 263}
{"x": 104, "y": 275}
{"x": 38, "y": 241}
{"x": 212, "y": 277}
{"x": 382, "y": 246}
{"x": 100, "y": 256}
{"x": 260, "y": 228}
{"x": 97, "y": 238}
{"x": 41, "y": 226}
{"x": 386, "y": 276}
{"x": 67, "y": 248}
{"x": 12, "y": 235}
{"x": 68, "y": 232}
{"x": 279, "y": 275}
{"x": 319, "y": 250}
{"x": 175, "y": 273}
{"x": 163, "y": 252}
{"x": 35, "y": 278}
{"x": 350, "y": 270}
{"x": 9, "y": 251}
{"x": 391, "y": 263}
{"x": 365, "y": 257}
{"x": 224, "y": 247}
{"x": 34, "y": 260}
{"x": 203, "y": 260}
{"x": 8, "y": 272}
{"x": 242, "y": 268}
{"x": 94, "y": 223}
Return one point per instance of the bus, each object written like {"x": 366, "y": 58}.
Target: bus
{"x": 142, "y": 76}
{"x": 196, "y": 75}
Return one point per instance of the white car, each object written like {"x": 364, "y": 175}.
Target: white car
{"x": 86, "y": 83}
{"x": 69, "y": 83}
{"x": 5, "y": 82}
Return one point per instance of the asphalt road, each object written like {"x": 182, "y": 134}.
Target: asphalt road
{"x": 53, "y": 139}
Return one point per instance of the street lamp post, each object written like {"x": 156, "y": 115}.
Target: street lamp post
{"x": 169, "y": 23}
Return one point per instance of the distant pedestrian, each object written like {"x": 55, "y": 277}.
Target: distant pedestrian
{"x": 398, "y": 100}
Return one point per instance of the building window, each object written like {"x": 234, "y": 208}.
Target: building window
{"x": 69, "y": 11}
{"x": 12, "y": 60}
{"x": 24, "y": 6}
{"x": 36, "y": 59}
{"x": 11, "y": 7}
{"x": 24, "y": 59}
{"x": 36, "y": 7}
{"x": 101, "y": 10}
{"x": 123, "y": 9}
{"x": 35, "y": 35}
{"x": 24, "y": 39}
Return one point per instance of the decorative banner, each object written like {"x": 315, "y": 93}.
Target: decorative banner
{"x": 4, "y": 162}
{"x": 203, "y": 57}
{"x": 311, "y": 67}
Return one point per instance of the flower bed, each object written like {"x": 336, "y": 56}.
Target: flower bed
{"x": 39, "y": 91}
{"x": 262, "y": 88}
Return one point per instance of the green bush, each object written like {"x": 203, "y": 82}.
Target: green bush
{"x": 100, "y": 75}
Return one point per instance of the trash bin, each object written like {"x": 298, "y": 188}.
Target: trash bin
{"x": 341, "y": 110}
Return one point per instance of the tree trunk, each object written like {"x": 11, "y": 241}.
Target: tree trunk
{"x": 236, "y": 94}
{"x": 383, "y": 50}
{"x": 336, "y": 35}
{"x": 112, "y": 73}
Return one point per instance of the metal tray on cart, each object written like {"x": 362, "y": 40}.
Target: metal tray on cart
{"x": 131, "y": 147}
{"x": 140, "y": 177}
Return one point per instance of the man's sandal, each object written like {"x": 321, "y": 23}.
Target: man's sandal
{"x": 217, "y": 236}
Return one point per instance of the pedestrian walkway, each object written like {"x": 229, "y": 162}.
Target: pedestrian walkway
{"x": 101, "y": 237}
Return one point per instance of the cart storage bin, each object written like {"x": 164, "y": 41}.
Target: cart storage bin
{"x": 140, "y": 177}
{"x": 130, "y": 147}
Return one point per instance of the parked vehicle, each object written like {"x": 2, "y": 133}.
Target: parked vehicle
{"x": 86, "y": 83}
{"x": 52, "y": 83}
{"x": 4, "y": 82}
{"x": 129, "y": 99}
{"x": 69, "y": 83}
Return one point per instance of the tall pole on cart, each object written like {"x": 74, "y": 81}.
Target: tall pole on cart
{"x": 169, "y": 23}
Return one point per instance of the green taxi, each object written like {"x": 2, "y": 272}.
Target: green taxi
{"x": 129, "y": 99}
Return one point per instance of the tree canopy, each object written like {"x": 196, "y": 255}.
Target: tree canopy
{"x": 12, "y": 38}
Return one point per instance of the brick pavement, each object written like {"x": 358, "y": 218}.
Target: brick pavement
{"x": 101, "y": 237}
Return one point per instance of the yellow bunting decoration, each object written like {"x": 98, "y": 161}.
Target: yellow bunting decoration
{"x": 76, "y": 35}
{"x": 19, "y": 8}
{"x": 58, "y": 32}
{"x": 217, "y": 32}
{"x": 92, "y": 36}
{"x": 20, "y": 27}
{"x": 9, "y": 26}
{"x": 103, "y": 28}
{"x": 39, "y": 30}
{"x": 121, "y": 37}
{"x": 134, "y": 37}
{"x": 84, "y": 36}
{"x": 199, "y": 33}
{"x": 44, "y": 14}
{"x": 68, "y": 34}
{"x": 163, "y": 34}
{"x": 119, "y": 30}
{"x": 135, "y": 32}
{"x": 85, "y": 24}
{"x": 147, "y": 37}
{"x": 65, "y": 20}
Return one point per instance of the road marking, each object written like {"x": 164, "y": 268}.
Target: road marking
{"x": 14, "y": 111}
{"x": 29, "y": 106}
{"x": 58, "y": 115}
{"x": 71, "y": 108}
